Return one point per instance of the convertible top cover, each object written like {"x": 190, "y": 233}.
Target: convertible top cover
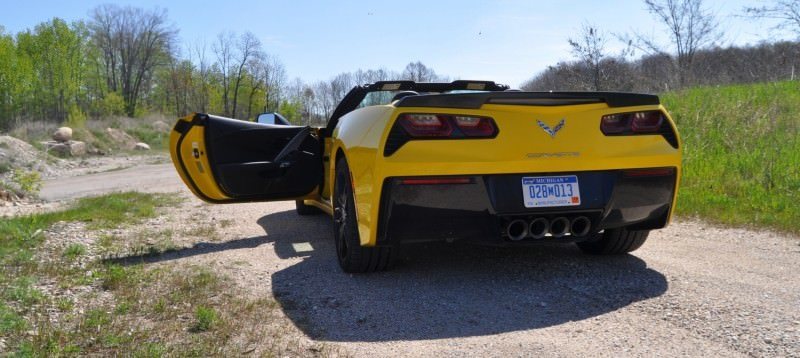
{"x": 486, "y": 92}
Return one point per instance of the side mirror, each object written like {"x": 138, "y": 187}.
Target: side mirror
{"x": 271, "y": 118}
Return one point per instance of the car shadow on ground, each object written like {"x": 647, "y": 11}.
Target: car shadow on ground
{"x": 447, "y": 290}
{"x": 435, "y": 291}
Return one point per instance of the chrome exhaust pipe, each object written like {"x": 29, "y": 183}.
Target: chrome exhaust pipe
{"x": 580, "y": 226}
{"x": 517, "y": 230}
{"x": 538, "y": 228}
{"x": 559, "y": 226}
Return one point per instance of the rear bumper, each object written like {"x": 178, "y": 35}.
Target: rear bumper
{"x": 479, "y": 208}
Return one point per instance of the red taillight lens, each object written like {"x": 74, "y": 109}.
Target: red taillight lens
{"x": 632, "y": 123}
{"x": 451, "y": 126}
{"x": 475, "y": 126}
{"x": 614, "y": 124}
{"x": 646, "y": 122}
{"x": 426, "y": 125}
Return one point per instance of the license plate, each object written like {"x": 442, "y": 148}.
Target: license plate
{"x": 541, "y": 192}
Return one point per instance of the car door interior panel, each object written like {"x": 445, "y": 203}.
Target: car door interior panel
{"x": 253, "y": 160}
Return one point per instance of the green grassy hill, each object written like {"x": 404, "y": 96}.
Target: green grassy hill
{"x": 741, "y": 153}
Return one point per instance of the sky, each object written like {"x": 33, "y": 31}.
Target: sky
{"x": 507, "y": 41}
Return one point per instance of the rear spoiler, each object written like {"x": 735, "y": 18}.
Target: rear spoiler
{"x": 476, "y": 100}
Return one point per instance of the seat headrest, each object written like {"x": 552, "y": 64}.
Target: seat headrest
{"x": 402, "y": 94}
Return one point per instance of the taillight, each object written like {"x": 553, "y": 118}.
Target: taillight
{"x": 447, "y": 126}
{"x": 426, "y": 125}
{"x": 646, "y": 122}
{"x": 475, "y": 126}
{"x": 632, "y": 123}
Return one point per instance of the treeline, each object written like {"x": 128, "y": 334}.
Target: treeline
{"x": 689, "y": 56}
{"x": 656, "y": 73}
{"x": 127, "y": 61}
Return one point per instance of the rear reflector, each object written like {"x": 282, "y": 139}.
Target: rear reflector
{"x": 651, "y": 172}
{"x": 435, "y": 181}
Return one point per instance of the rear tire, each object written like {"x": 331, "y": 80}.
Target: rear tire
{"x": 615, "y": 242}
{"x": 303, "y": 209}
{"x": 353, "y": 257}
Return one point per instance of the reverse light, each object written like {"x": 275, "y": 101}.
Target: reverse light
{"x": 632, "y": 123}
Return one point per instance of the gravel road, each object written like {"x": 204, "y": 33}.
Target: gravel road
{"x": 692, "y": 289}
{"x": 147, "y": 178}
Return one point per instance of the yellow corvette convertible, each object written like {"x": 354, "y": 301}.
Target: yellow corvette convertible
{"x": 402, "y": 162}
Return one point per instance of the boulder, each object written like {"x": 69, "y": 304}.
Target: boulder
{"x": 73, "y": 148}
{"x": 63, "y": 134}
{"x": 123, "y": 140}
{"x": 160, "y": 126}
{"x": 141, "y": 146}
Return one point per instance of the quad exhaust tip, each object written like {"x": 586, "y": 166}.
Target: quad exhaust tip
{"x": 559, "y": 226}
{"x": 538, "y": 228}
{"x": 517, "y": 229}
{"x": 580, "y": 226}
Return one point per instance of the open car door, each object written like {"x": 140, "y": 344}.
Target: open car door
{"x": 224, "y": 160}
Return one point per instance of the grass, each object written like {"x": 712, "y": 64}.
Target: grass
{"x": 20, "y": 237}
{"x": 130, "y": 309}
{"x": 156, "y": 139}
{"x": 204, "y": 319}
{"x": 741, "y": 153}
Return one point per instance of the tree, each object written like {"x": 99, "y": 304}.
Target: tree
{"x": 15, "y": 75}
{"x": 132, "y": 43}
{"x": 249, "y": 47}
{"x": 274, "y": 77}
{"x": 233, "y": 54}
{"x": 786, "y": 12}
{"x": 418, "y": 72}
{"x": 56, "y": 54}
{"x": 690, "y": 27}
{"x": 590, "y": 48}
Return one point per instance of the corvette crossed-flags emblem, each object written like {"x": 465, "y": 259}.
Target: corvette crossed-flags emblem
{"x": 552, "y": 131}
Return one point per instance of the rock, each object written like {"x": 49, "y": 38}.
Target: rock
{"x": 122, "y": 139}
{"x": 160, "y": 126}
{"x": 73, "y": 148}
{"x": 63, "y": 134}
{"x": 141, "y": 146}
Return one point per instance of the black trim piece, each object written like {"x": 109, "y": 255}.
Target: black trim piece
{"x": 182, "y": 126}
{"x": 397, "y": 138}
{"x": 477, "y": 211}
{"x": 476, "y": 100}
{"x": 353, "y": 98}
{"x": 668, "y": 133}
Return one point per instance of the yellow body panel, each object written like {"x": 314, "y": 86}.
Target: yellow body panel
{"x": 520, "y": 147}
{"x": 192, "y": 153}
